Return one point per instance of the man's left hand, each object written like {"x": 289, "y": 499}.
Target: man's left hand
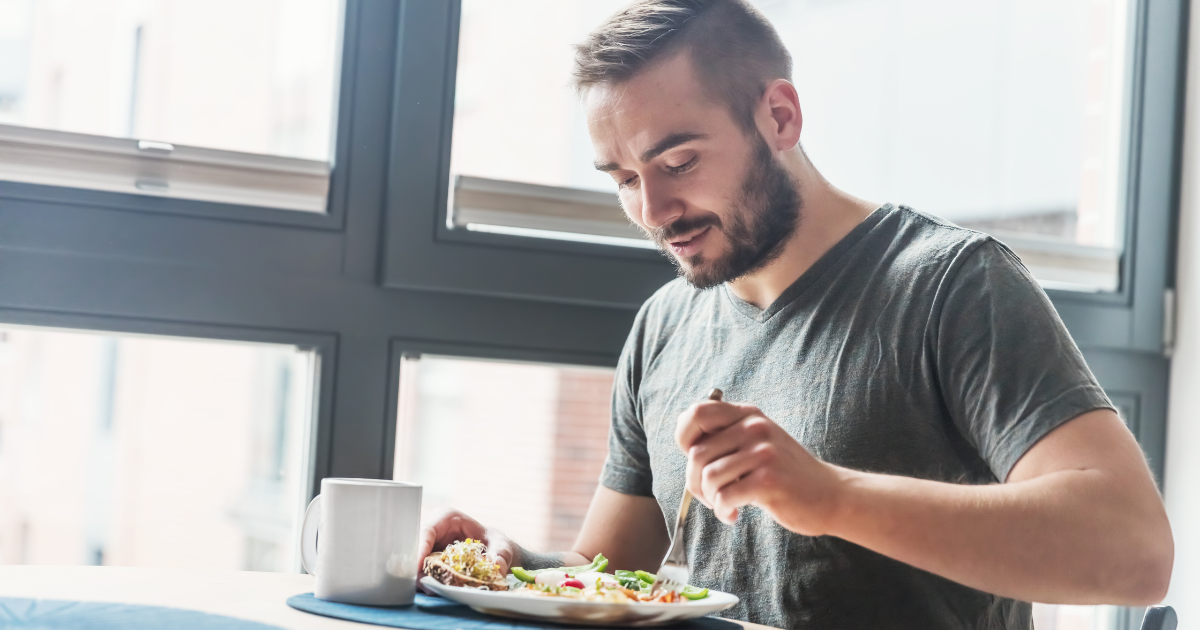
{"x": 737, "y": 456}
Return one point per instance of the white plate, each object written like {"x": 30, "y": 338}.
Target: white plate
{"x": 564, "y": 610}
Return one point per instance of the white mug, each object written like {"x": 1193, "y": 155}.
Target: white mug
{"x": 367, "y": 552}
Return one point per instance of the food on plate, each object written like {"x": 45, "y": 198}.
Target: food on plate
{"x": 599, "y": 563}
{"x": 465, "y": 563}
{"x": 591, "y": 583}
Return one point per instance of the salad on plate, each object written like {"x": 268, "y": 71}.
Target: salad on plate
{"x": 465, "y": 564}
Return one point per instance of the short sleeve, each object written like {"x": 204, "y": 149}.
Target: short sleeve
{"x": 1009, "y": 371}
{"x": 627, "y": 467}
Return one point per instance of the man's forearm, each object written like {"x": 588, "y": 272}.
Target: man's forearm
{"x": 1073, "y": 536}
{"x": 532, "y": 560}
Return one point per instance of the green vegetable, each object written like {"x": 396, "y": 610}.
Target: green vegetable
{"x": 599, "y": 563}
{"x": 523, "y": 575}
{"x": 631, "y": 582}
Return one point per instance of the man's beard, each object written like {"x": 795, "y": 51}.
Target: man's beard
{"x": 761, "y": 221}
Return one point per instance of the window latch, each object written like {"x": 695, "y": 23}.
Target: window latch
{"x": 1168, "y": 322}
{"x": 158, "y": 148}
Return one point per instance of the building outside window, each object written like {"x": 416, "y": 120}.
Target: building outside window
{"x": 518, "y": 446}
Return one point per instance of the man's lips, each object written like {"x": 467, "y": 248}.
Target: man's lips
{"x": 690, "y": 245}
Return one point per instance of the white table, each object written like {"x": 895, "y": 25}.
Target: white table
{"x": 244, "y": 594}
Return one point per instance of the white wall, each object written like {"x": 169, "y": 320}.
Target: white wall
{"x": 1182, "y": 476}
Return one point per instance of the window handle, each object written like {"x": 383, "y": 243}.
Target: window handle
{"x": 150, "y": 146}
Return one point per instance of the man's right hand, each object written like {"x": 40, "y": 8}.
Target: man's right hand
{"x": 447, "y": 526}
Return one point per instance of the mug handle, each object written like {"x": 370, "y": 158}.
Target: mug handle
{"x": 308, "y": 536}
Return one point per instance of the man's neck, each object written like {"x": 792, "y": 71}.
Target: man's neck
{"x": 826, "y": 217}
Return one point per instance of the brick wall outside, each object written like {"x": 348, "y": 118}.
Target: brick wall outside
{"x": 580, "y": 446}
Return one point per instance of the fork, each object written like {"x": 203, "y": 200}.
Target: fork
{"x": 674, "y": 573}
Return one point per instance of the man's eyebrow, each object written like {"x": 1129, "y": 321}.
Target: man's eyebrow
{"x": 664, "y": 145}
{"x": 668, "y": 143}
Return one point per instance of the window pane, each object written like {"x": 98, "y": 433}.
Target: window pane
{"x": 1052, "y": 617}
{"x": 471, "y": 431}
{"x": 151, "y": 451}
{"x": 1003, "y": 115}
{"x": 255, "y": 76}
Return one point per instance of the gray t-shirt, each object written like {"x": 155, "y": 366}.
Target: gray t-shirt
{"x": 913, "y": 347}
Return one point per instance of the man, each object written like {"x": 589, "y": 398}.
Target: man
{"x": 928, "y": 449}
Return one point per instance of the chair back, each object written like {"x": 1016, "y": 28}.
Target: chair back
{"x": 1160, "y": 618}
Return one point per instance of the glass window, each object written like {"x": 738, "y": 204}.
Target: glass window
{"x": 1002, "y": 115}
{"x": 199, "y": 83}
{"x": 151, "y": 451}
{"x": 1006, "y": 116}
{"x": 470, "y": 431}
{"x": 255, "y": 76}
{"x": 1047, "y": 617}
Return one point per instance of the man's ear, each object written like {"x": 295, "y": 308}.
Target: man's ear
{"x": 780, "y": 119}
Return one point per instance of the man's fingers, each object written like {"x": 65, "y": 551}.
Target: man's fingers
{"x": 692, "y": 483}
{"x": 727, "y": 470}
{"x": 739, "y": 493}
{"x": 708, "y": 450}
{"x": 437, "y": 529}
{"x": 499, "y": 559}
{"x": 431, "y": 531}
{"x": 744, "y": 434}
{"x": 445, "y": 527}
{"x": 708, "y": 417}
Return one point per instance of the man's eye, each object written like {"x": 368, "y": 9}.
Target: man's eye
{"x": 628, "y": 182}
{"x": 675, "y": 170}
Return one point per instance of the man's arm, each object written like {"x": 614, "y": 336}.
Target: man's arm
{"x": 629, "y": 530}
{"x": 1078, "y": 520}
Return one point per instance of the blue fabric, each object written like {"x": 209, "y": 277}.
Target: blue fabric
{"x": 435, "y": 613}
{"x": 53, "y": 614}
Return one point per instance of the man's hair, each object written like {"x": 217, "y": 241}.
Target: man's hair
{"x": 734, "y": 49}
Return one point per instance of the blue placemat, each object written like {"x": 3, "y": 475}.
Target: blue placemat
{"x": 54, "y": 614}
{"x": 435, "y": 613}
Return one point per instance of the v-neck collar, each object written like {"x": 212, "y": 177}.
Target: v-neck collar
{"x": 812, "y": 274}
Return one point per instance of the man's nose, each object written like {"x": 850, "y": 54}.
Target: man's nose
{"x": 660, "y": 206}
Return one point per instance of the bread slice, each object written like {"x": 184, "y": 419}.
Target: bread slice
{"x": 444, "y": 573}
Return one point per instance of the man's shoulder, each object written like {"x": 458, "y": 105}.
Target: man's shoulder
{"x": 926, "y": 247}
{"x": 925, "y": 234}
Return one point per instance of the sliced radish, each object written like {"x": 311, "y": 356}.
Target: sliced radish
{"x": 550, "y": 578}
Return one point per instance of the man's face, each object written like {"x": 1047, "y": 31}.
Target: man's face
{"x": 712, "y": 197}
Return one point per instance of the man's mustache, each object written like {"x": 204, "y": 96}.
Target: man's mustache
{"x": 683, "y": 226}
